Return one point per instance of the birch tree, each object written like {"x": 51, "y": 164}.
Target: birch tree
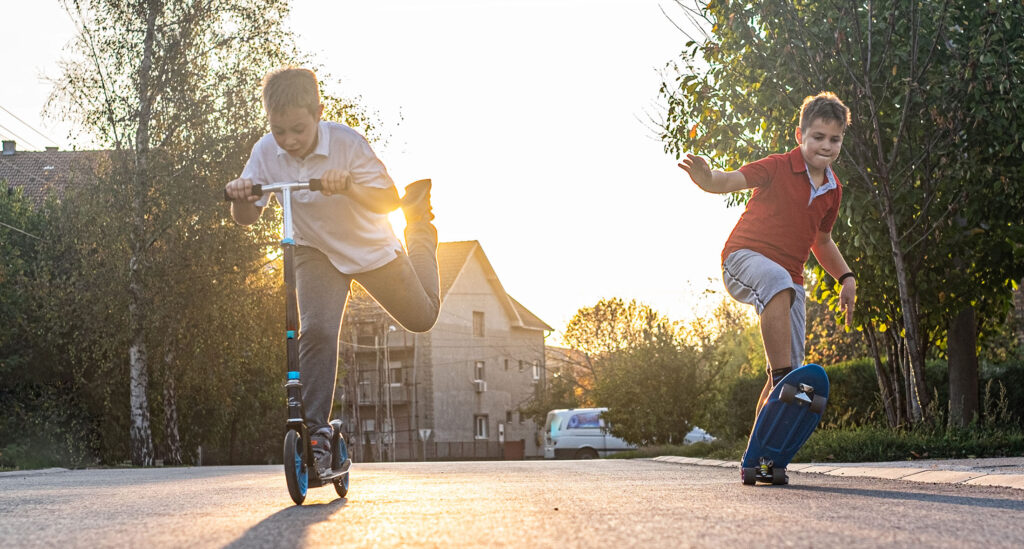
{"x": 171, "y": 87}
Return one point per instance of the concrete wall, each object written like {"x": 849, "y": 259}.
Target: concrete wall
{"x": 454, "y": 351}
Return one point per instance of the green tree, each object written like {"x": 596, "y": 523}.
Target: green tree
{"x": 610, "y": 325}
{"x": 171, "y": 88}
{"x": 631, "y": 359}
{"x": 907, "y": 71}
{"x": 653, "y": 390}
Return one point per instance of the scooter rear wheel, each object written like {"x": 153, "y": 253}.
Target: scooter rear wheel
{"x": 296, "y": 473}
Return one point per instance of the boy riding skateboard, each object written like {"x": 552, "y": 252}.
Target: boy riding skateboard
{"x": 342, "y": 234}
{"x": 790, "y": 213}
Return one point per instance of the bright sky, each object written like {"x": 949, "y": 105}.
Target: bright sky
{"x": 531, "y": 117}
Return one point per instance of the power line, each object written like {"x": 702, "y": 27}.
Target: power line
{"x": 41, "y": 134}
{"x": 20, "y": 231}
{"x": 16, "y": 136}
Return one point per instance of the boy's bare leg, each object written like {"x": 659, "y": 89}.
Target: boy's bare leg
{"x": 777, "y": 337}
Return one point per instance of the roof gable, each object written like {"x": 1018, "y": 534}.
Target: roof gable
{"x": 452, "y": 259}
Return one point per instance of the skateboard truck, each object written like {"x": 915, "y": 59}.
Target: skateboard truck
{"x": 765, "y": 471}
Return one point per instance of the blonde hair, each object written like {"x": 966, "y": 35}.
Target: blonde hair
{"x": 291, "y": 87}
{"x": 826, "y": 106}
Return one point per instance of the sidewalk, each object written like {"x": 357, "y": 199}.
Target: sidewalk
{"x": 1005, "y": 472}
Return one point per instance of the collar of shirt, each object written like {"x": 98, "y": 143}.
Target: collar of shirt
{"x": 323, "y": 142}
{"x": 830, "y": 183}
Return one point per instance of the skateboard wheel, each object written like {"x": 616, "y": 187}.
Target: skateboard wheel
{"x": 818, "y": 404}
{"x": 748, "y": 475}
{"x": 779, "y": 477}
{"x": 788, "y": 393}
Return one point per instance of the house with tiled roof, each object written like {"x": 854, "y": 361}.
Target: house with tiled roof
{"x": 453, "y": 392}
{"x": 41, "y": 173}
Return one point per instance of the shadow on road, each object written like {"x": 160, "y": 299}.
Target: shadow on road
{"x": 942, "y": 499}
{"x": 287, "y": 527}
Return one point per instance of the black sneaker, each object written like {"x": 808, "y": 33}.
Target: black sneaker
{"x": 321, "y": 442}
{"x": 416, "y": 202}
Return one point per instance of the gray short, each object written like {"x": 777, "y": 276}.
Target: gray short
{"x": 754, "y": 279}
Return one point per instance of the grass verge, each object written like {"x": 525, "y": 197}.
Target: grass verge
{"x": 867, "y": 444}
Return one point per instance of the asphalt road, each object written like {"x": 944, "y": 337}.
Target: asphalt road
{"x": 601, "y": 503}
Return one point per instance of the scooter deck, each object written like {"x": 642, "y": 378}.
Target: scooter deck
{"x": 785, "y": 422}
{"x": 335, "y": 474}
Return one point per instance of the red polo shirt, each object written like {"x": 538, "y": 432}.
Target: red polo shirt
{"x": 781, "y": 221}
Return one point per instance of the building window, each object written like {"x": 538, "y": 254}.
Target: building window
{"x": 395, "y": 373}
{"x": 478, "y": 324}
{"x": 478, "y": 370}
{"x": 522, "y": 365}
{"x": 536, "y": 370}
{"x": 365, "y": 391}
{"x": 506, "y": 364}
{"x": 366, "y": 334}
{"x": 480, "y": 429}
{"x": 508, "y": 416}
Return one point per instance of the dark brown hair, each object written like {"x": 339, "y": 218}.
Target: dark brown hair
{"x": 826, "y": 106}
{"x": 291, "y": 87}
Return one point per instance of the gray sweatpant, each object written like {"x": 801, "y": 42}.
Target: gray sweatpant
{"x": 407, "y": 288}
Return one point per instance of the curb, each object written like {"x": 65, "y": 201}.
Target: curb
{"x": 33, "y": 472}
{"x": 910, "y": 474}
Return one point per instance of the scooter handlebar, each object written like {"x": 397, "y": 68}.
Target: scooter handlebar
{"x": 257, "y": 189}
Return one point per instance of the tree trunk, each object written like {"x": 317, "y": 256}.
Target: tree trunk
{"x": 899, "y": 379}
{"x": 963, "y": 368}
{"x": 1018, "y": 310}
{"x": 172, "y": 452}
{"x": 141, "y": 436}
{"x": 911, "y": 322}
{"x": 885, "y": 386}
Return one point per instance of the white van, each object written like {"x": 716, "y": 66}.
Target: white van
{"x": 579, "y": 433}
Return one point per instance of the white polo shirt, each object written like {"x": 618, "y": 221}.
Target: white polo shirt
{"x": 354, "y": 238}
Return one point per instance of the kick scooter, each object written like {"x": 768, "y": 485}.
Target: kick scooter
{"x": 299, "y": 469}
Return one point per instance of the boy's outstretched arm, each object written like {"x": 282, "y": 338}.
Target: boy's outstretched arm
{"x": 712, "y": 181}
{"x": 376, "y": 200}
{"x": 831, "y": 259}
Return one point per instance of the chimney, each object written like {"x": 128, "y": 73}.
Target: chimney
{"x": 52, "y": 149}
{"x": 9, "y": 147}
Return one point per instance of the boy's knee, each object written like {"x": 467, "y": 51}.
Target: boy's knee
{"x": 420, "y": 324}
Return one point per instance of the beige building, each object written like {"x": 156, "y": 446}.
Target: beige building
{"x": 451, "y": 393}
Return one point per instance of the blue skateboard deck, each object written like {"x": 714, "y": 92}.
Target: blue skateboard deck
{"x": 787, "y": 419}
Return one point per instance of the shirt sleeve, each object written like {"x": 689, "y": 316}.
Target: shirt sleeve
{"x": 366, "y": 168}
{"x": 255, "y": 171}
{"x": 760, "y": 172}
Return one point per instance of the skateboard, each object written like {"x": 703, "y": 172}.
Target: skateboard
{"x": 787, "y": 419}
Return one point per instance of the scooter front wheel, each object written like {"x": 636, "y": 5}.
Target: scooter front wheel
{"x": 341, "y": 456}
{"x": 296, "y": 473}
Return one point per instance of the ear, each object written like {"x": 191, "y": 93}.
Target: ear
{"x": 799, "y": 136}
{"x": 320, "y": 112}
